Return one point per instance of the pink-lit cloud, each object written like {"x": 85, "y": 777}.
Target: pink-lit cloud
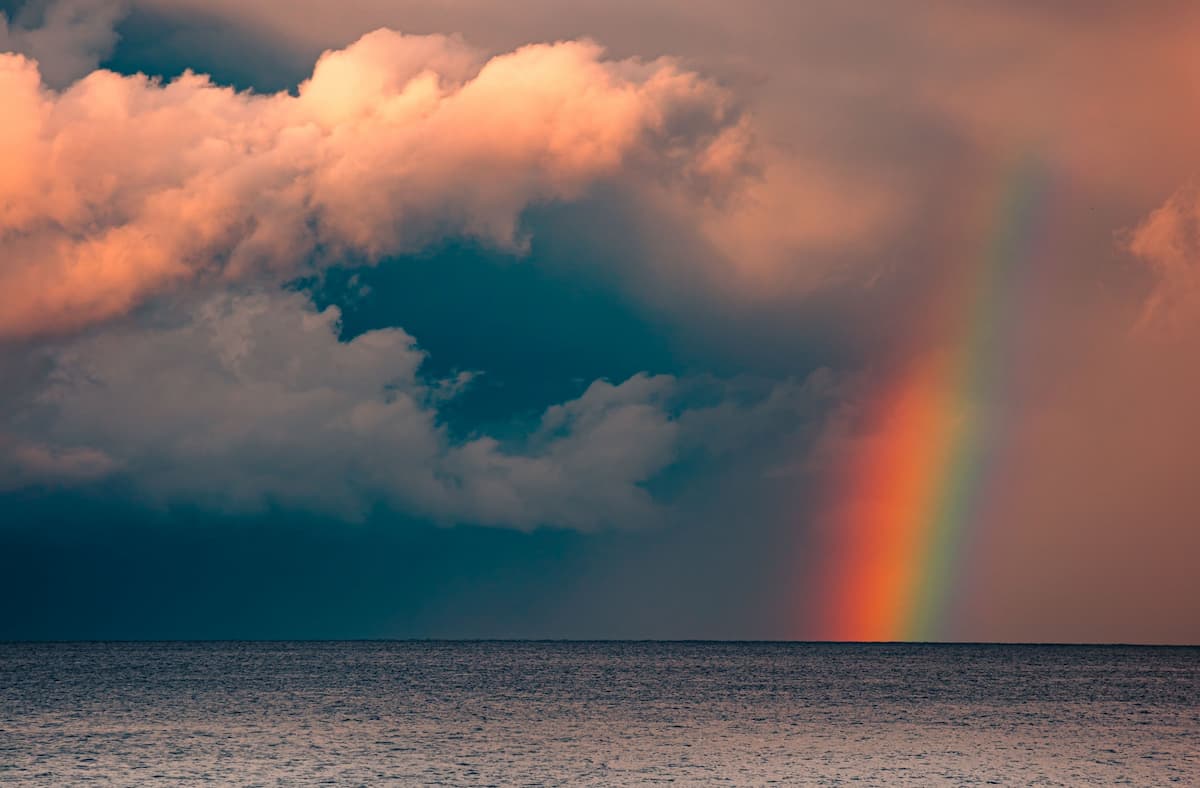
{"x": 872, "y": 127}
{"x": 120, "y": 187}
{"x": 883, "y": 144}
{"x": 1169, "y": 242}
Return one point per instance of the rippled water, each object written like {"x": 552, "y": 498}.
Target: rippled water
{"x": 600, "y": 713}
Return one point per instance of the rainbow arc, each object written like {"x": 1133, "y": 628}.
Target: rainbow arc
{"x": 906, "y": 505}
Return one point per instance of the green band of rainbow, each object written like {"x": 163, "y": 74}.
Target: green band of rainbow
{"x": 912, "y": 494}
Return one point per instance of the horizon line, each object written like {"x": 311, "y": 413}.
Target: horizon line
{"x": 551, "y": 640}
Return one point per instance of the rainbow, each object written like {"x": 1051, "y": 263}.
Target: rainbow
{"x": 909, "y": 496}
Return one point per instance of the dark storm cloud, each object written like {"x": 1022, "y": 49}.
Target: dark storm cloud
{"x": 864, "y": 153}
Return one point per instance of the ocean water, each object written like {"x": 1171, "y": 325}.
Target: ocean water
{"x": 517, "y": 713}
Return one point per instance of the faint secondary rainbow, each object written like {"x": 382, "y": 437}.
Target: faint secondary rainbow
{"x": 912, "y": 489}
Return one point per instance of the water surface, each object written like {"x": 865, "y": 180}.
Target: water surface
{"x": 526, "y": 713}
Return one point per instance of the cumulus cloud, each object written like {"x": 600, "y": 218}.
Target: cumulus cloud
{"x": 241, "y": 401}
{"x": 68, "y": 38}
{"x": 879, "y": 135}
{"x": 886, "y": 143}
{"x": 1168, "y": 240}
{"x": 120, "y": 186}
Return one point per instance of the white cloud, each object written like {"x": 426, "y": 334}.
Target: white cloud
{"x": 241, "y": 401}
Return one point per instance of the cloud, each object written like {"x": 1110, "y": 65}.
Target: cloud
{"x": 884, "y": 145}
{"x": 67, "y": 38}
{"x": 121, "y": 187}
{"x": 878, "y": 134}
{"x": 241, "y": 401}
{"x": 1081, "y": 517}
{"x": 24, "y": 464}
{"x": 1168, "y": 240}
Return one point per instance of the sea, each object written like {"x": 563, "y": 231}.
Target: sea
{"x": 596, "y": 713}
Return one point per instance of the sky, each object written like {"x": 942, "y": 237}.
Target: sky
{"x": 789, "y": 320}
